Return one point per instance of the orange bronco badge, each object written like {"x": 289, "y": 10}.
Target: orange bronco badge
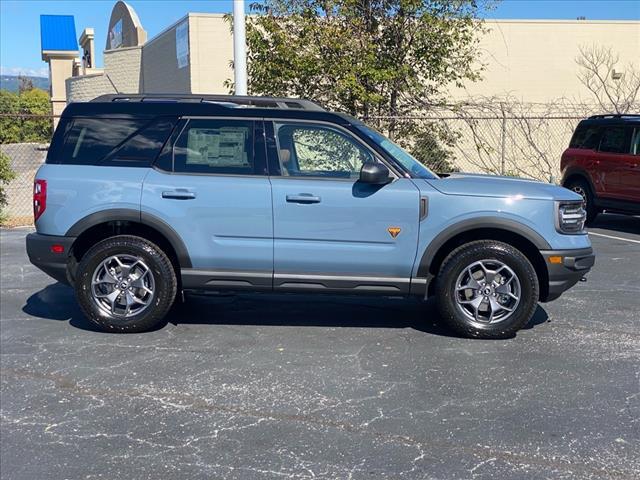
{"x": 394, "y": 231}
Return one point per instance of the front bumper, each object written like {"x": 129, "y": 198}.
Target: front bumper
{"x": 41, "y": 255}
{"x": 573, "y": 266}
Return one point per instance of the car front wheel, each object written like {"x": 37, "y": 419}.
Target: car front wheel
{"x": 125, "y": 284}
{"x": 487, "y": 289}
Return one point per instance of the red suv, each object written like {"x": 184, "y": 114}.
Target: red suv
{"x": 602, "y": 164}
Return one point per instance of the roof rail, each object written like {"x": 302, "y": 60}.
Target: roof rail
{"x": 616, "y": 115}
{"x": 232, "y": 101}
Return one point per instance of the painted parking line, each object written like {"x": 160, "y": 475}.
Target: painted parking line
{"x": 614, "y": 237}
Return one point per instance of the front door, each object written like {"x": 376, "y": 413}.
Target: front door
{"x": 332, "y": 232}
{"x": 217, "y": 197}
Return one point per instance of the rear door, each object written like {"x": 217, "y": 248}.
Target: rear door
{"x": 332, "y": 232}
{"x": 210, "y": 185}
{"x": 614, "y": 161}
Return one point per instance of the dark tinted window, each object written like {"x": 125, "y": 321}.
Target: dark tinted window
{"x": 90, "y": 140}
{"x": 215, "y": 147}
{"x": 615, "y": 140}
{"x": 114, "y": 141}
{"x": 143, "y": 147}
{"x": 635, "y": 143}
{"x": 586, "y": 137}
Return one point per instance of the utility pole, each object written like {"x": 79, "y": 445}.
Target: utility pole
{"x": 239, "y": 48}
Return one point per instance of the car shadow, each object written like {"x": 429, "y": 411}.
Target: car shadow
{"x": 617, "y": 223}
{"x": 57, "y": 302}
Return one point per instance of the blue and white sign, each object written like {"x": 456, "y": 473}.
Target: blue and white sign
{"x": 182, "y": 44}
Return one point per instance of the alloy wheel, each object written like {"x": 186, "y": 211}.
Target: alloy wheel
{"x": 487, "y": 291}
{"x": 123, "y": 286}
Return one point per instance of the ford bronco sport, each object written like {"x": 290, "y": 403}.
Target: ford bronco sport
{"x": 144, "y": 197}
{"x": 602, "y": 164}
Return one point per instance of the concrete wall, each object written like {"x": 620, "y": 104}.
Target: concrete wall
{"x": 123, "y": 66}
{"x": 160, "y": 72}
{"x": 534, "y": 60}
{"x": 86, "y": 88}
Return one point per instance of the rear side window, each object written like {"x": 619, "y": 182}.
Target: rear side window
{"x": 615, "y": 140}
{"x": 586, "y": 137}
{"x": 114, "y": 141}
{"x": 215, "y": 147}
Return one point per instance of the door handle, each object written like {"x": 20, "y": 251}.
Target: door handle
{"x": 179, "y": 194}
{"x": 303, "y": 198}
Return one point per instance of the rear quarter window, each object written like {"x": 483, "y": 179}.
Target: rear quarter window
{"x": 586, "y": 137}
{"x": 113, "y": 141}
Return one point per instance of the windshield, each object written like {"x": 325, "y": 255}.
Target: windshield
{"x": 403, "y": 157}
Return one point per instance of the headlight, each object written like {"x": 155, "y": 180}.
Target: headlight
{"x": 570, "y": 217}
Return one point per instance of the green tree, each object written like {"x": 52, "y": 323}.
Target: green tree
{"x": 9, "y": 124}
{"x": 17, "y": 123}
{"x": 364, "y": 57}
{"x": 36, "y": 102}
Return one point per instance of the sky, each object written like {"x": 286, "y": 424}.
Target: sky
{"x": 20, "y": 20}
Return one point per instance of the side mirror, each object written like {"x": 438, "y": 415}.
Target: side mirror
{"x": 374, "y": 173}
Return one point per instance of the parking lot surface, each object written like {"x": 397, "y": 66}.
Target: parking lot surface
{"x": 278, "y": 386}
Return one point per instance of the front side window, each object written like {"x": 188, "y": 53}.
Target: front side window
{"x": 403, "y": 157}
{"x": 215, "y": 147}
{"x": 318, "y": 151}
{"x": 615, "y": 140}
{"x": 635, "y": 143}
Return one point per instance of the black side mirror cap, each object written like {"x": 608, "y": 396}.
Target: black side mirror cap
{"x": 374, "y": 173}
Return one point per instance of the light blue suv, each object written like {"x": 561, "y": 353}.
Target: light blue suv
{"x": 145, "y": 197}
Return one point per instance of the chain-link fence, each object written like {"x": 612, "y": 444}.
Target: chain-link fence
{"x": 528, "y": 147}
{"x": 24, "y": 140}
{"x": 525, "y": 146}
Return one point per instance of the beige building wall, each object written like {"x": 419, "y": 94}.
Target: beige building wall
{"x": 534, "y": 60}
{"x": 211, "y": 48}
{"x": 60, "y": 67}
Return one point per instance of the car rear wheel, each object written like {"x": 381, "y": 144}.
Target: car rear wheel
{"x": 584, "y": 190}
{"x": 487, "y": 289}
{"x": 126, "y": 284}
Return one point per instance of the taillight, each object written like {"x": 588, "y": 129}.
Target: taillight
{"x": 39, "y": 198}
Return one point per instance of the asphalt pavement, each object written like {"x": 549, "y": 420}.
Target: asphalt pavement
{"x": 314, "y": 387}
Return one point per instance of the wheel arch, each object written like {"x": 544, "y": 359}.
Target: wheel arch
{"x": 578, "y": 173}
{"x": 100, "y": 225}
{"x": 518, "y": 235}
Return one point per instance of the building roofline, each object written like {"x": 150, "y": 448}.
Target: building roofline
{"x": 556, "y": 21}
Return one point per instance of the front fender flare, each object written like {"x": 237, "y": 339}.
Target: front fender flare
{"x": 451, "y": 231}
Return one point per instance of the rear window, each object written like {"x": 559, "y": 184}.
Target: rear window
{"x": 113, "y": 141}
{"x": 615, "y": 140}
{"x": 586, "y": 137}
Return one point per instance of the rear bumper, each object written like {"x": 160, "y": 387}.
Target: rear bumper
{"x": 562, "y": 276}
{"x": 40, "y": 254}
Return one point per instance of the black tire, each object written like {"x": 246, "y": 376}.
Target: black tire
{"x": 582, "y": 188}
{"x": 486, "y": 250}
{"x": 155, "y": 262}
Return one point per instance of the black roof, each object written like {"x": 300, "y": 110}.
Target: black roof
{"x": 123, "y": 105}
{"x": 612, "y": 119}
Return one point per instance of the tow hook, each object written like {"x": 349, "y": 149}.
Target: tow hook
{"x": 583, "y": 279}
